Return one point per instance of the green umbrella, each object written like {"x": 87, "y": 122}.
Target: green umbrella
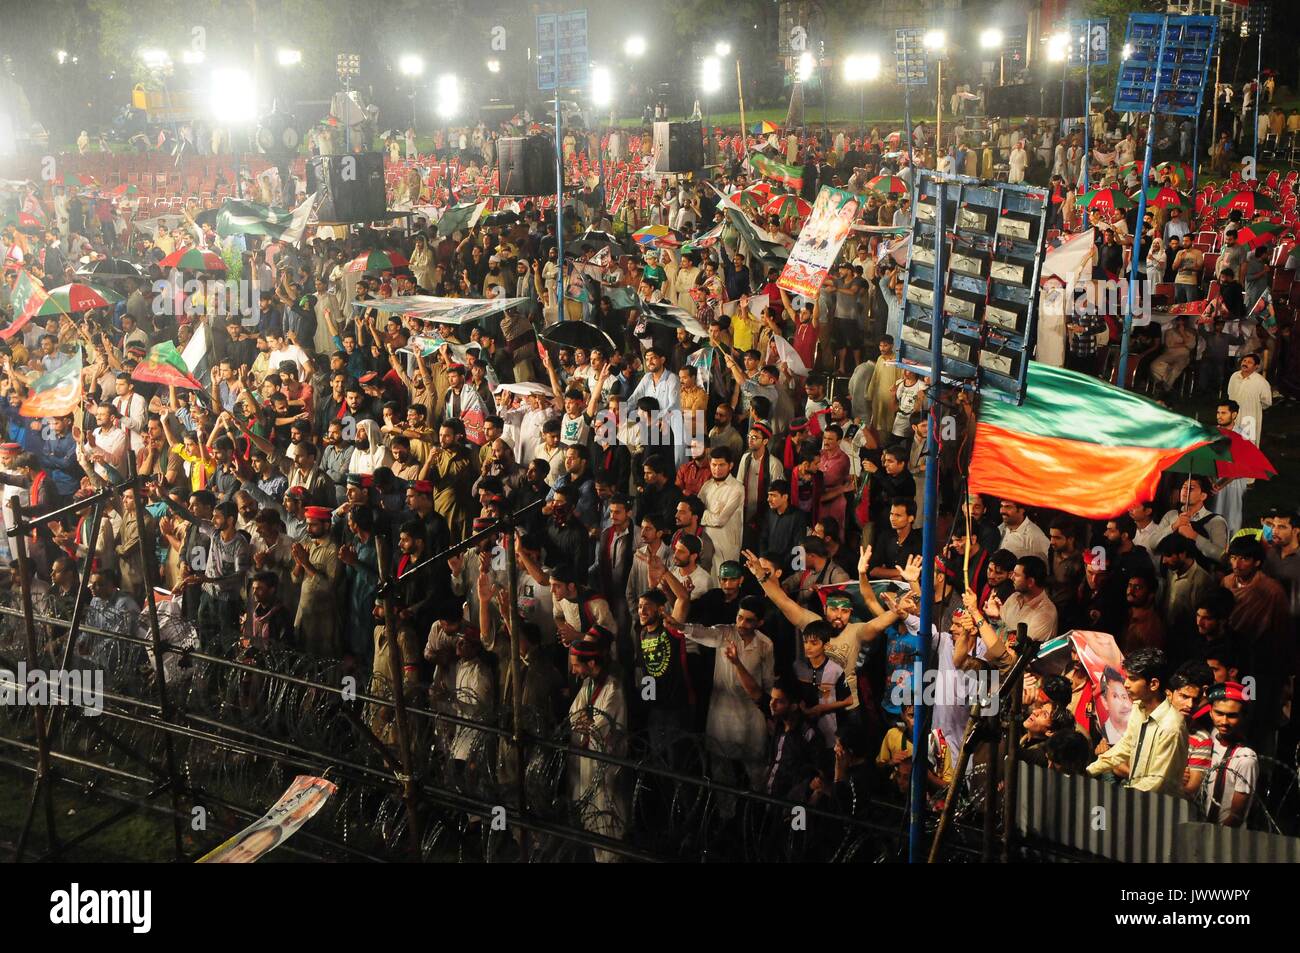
{"x": 1203, "y": 461}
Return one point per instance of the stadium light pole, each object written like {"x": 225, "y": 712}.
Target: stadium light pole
{"x": 936, "y": 41}
{"x": 992, "y": 39}
{"x": 859, "y": 69}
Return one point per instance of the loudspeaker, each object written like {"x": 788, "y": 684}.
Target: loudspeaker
{"x": 526, "y": 166}
{"x": 351, "y": 187}
{"x": 679, "y": 147}
{"x": 1031, "y": 99}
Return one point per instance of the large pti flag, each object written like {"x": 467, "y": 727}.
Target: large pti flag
{"x": 1077, "y": 444}
{"x": 27, "y": 296}
{"x": 55, "y": 393}
{"x": 460, "y": 217}
{"x": 164, "y": 365}
{"x": 791, "y": 176}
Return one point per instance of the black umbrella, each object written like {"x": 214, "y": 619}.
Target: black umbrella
{"x": 575, "y": 334}
{"x": 596, "y": 240}
{"x": 111, "y": 268}
{"x": 505, "y": 217}
{"x": 207, "y": 217}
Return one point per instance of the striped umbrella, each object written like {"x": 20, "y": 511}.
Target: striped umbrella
{"x": 123, "y": 189}
{"x": 788, "y": 207}
{"x": 1162, "y": 196}
{"x": 1176, "y": 173}
{"x": 652, "y": 235}
{"x": 77, "y": 297}
{"x": 1257, "y": 234}
{"x": 1107, "y": 200}
{"x": 751, "y": 201}
{"x": 1135, "y": 167}
{"x": 888, "y": 185}
{"x": 1248, "y": 201}
{"x": 762, "y": 189}
{"x": 763, "y": 128}
{"x": 377, "y": 261}
{"x": 193, "y": 259}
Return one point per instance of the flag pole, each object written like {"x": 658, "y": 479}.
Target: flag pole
{"x": 740, "y": 91}
{"x": 1142, "y": 211}
{"x": 929, "y": 541}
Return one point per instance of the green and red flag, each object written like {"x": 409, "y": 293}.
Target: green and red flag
{"x": 27, "y": 297}
{"x": 1079, "y": 445}
{"x": 165, "y": 366}
{"x": 55, "y": 393}
{"x": 791, "y": 176}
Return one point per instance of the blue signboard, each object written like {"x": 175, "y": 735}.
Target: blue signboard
{"x": 911, "y": 66}
{"x": 1189, "y": 44}
{"x": 992, "y": 252}
{"x": 1096, "y": 35}
{"x": 562, "y": 56}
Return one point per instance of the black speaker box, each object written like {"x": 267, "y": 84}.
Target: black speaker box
{"x": 526, "y": 165}
{"x": 679, "y": 147}
{"x": 1032, "y": 99}
{"x": 351, "y": 187}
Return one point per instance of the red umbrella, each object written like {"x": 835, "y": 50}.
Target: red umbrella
{"x": 787, "y": 206}
{"x": 1248, "y": 201}
{"x": 1248, "y": 461}
{"x": 193, "y": 259}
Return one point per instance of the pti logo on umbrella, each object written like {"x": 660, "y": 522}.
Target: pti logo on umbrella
{"x": 76, "y": 297}
{"x": 788, "y": 208}
{"x": 1107, "y": 200}
{"x": 1162, "y": 196}
{"x": 1246, "y": 201}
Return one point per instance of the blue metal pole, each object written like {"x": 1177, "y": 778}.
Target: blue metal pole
{"x": 929, "y": 543}
{"x": 907, "y": 122}
{"x": 1142, "y": 211}
{"x": 559, "y": 206}
{"x": 1254, "y": 133}
{"x": 1087, "y": 104}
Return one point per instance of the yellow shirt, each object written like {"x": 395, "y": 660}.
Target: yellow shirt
{"x": 199, "y": 469}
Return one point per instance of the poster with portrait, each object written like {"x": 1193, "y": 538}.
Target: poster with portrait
{"x": 305, "y": 797}
{"x": 1104, "y": 663}
{"x": 819, "y": 241}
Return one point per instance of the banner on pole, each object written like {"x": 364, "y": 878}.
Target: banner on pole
{"x": 305, "y": 797}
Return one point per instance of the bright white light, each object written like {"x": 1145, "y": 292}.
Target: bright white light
{"x": 991, "y": 39}
{"x": 634, "y": 46}
{"x": 935, "y": 40}
{"x": 192, "y": 57}
{"x": 1058, "y": 44}
{"x": 155, "y": 59}
{"x": 289, "y": 57}
{"x": 61, "y": 56}
{"x": 722, "y": 48}
{"x": 494, "y": 66}
{"x": 233, "y": 98}
{"x": 804, "y": 69}
{"x": 411, "y": 64}
{"x": 861, "y": 68}
{"x": 602, "y": 86}
{"x": 1127, "y": 51}
{"x": 448, "y": 95}
{"x": 711, "y": 74}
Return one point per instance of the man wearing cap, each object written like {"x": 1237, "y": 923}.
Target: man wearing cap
{"x": 758, "y": 468}
{"x": 317, "y": 568}
{"x": 598, "y": 720}
{"x": 1228, "y": 790}
{"x": 419, "y": 500}
{"x": 485, "y": 557}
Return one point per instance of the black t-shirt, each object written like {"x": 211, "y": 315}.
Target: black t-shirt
{"x": 658, "y": 655}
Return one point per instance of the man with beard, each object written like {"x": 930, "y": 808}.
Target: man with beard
{"x": 758, "y": 470}
{"x": 335, "y": 462}
{"x": 847, "y": 636}
{"x": 451, "y": 473}
{"x": 743, "y": 675}
{"x": 226, "y": 565}
{"x": 1186, "y": 584}
{"x": 419, "y": 500}
{"x": 1144, "y": 628}
{"x": 598, "y": 722}
{"x": 723, "y": 497}
{"x": 657, "y": 494}
{"x": 332, "y": 408}
{"x": 1233, "y": 773}
{"x": 577, "y": 608}
{"x": 270, "y": 623}
{"x": 614, "y": 556}
{"x": 1103, "y": 602}
{"x": 317, "y": 569}
{"x": 1194, "y": 521}
{"x": 889, "y": 481}
{"x": 361, "y": 580}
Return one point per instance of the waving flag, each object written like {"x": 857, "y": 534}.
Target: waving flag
{"x": 165, "y": 366}
{"x": 460, "y": 217}
{"x": 27, "y": 297}
{"x": 238, "y": 217}
{"x": 55, "y": 393}
{"x": 1077, "y": 444}
{"x": 791, "y": 176}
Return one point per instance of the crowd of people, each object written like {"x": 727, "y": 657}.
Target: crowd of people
{"x": 715, "y": 505}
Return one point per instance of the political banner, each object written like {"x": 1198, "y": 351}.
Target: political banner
{"x": 820, "y": 241}
{"x": 305, "y": 797}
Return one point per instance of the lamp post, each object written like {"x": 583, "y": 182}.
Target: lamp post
{"x": 412, "y": 67}
{"x": 1058, "y": 46}
{"x": 992, "y": 39}
{"x": 347, "y": 65}
{"x": 233, "y": 103}
{"x": 935, "y": 41}
{"x": 859, "y": 69}
{"x": 710, "y": 81}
